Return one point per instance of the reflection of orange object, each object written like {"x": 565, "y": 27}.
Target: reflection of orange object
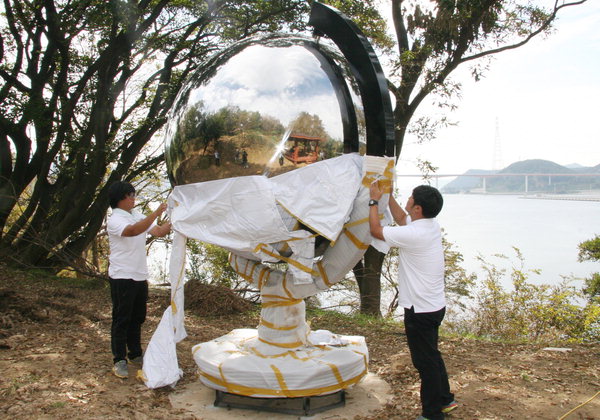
{"x": 304, "y": 150}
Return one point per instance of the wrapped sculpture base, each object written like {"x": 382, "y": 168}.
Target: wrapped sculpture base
{"x": 238, "y": 363}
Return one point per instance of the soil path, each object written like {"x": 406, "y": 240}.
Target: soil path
{"x": 55, "y": 362}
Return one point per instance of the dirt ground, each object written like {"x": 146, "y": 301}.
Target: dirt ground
{"x": 55, "y": 361}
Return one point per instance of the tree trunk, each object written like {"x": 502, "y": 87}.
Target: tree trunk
{"x": 368, "y": 275}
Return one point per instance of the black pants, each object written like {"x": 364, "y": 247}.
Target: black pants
{"x": 422, "y": 337}
{"x": 129, "y": 299}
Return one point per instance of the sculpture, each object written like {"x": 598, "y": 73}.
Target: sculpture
{"x": 244, "y": 107}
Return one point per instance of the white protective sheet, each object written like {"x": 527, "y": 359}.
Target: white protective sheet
{"x": 241, "y": 213}
{"x": 321, "y": 194}
{"x": 160, "y": 359}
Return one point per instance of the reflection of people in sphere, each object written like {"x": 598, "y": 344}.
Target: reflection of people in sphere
{"x": 280, "y": 159}
{"x": 244, "y": 158}
{"x": 237, "y": 156}
{"x": 217, "y": 158}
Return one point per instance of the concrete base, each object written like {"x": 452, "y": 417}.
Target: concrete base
{"x": 363, "y": 399}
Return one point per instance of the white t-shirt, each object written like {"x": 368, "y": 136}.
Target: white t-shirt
{"x": 127, "y": 253}
{"x": 421, "y": 263}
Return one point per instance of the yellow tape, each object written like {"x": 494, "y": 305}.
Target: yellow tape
{"x": 355, "y": 240}
{"x": 279, "y": 297}
{"x": 223, "y": 377}
{"x": 262, "y": 248}
{"x": 284, "y": 285}
{"x": 281, "y": 381}
{"x": 282, "y": 345}
{"x": 276, "y": 327}
{"x": 250, "y": 391}
{"x": 336, "y": 372}
{"x": 360, "y": 222}
{"x": 279, "y": 304}
{"x": 389, "y": 169}
{"x": 261, "y": 276}
{"x": 323, "y": 273}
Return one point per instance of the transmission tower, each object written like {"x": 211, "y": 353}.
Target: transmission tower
{"x": 497, "y": 159}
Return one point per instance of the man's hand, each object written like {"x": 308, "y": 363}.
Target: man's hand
{"x": 374, "y": 191}
{"x": 161, "y": 209}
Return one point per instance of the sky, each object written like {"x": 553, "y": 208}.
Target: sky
{"x": 540, "y": 101}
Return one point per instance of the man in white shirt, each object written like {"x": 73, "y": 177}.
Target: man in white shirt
{"x": 420, "y": 288}
{"x": 128, "y": 272}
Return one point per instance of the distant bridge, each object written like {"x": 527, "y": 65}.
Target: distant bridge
{"x": 500, "y": 175}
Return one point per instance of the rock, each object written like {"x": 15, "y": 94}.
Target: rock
{"x": 558, "y": 349}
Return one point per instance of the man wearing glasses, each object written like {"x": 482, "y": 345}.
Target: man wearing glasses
{"x": 128, "y": 272}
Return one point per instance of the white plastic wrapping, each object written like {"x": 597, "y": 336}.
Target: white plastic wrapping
{"x": 160, "y": 359}
{"x": 232, "y": 364}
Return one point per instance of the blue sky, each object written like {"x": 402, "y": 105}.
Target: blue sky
{"x": 544, "y": 97}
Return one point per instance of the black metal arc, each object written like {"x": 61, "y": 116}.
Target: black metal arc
{"x": 365, "y": 67}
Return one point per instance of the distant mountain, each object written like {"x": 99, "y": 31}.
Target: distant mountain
{"x": 511, "y": 183}
{"x": 533, "y": 166}
{"x": 467, "y": 182}
{"x": 574, "y": 166}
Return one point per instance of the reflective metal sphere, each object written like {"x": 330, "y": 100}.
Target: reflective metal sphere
{"x": 263, "y": 106}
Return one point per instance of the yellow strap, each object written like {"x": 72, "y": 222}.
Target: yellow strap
{"x": 284, "y": 285}
{"x": 261, "y": 277}
{"x": 276, "y": 327}
{"x": 278, "y": 304}
{"x": 283, "y": 345}
{"x": 281, "y": 381}
{"x": 360, "y": 222}
{"x": 262, "y": 248}
{"x": 279, "y": 297}
{"x": 323, "y": 273}
{"x": 355, "y": 240}
{"x": 336, "y": 372}
{"x": 223, "y": 377}
{"x": 389, "y": 169}
{"x": 250, "y": 391}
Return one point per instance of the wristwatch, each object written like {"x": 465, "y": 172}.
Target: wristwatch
{"x": 373, "y": 202}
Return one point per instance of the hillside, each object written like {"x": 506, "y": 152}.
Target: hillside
{"x": 510, "y": 183}
{"x": 55, "y": 360}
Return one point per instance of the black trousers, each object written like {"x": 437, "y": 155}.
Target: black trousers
{"x": 129, "y": 299}
{"x": 422, "y": 336}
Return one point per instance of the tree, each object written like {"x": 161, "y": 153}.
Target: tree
{"x": 86, "y": 85}
{"x": 433, "y": 39}
{"x": 590, "y": 251}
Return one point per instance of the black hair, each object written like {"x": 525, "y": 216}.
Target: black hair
{"x": 118, "y": 191}
{"x": 430, "y": 200}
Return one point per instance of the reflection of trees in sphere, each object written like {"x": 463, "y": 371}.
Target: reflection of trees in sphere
{"x": 265, "y": 106}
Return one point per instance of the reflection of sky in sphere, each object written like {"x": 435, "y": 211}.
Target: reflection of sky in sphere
{"x": 279, "y": 82}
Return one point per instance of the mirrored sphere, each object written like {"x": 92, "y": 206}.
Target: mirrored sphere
{"x": 264, "y": 106}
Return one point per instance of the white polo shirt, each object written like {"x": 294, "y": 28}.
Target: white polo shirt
{"x": 127, "y": 253}
{"x": 421, "y": 263}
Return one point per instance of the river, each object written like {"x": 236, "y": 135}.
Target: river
{"x": 547, "y": 232}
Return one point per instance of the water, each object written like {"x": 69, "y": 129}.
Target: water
{"x": 547, "y": 232}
